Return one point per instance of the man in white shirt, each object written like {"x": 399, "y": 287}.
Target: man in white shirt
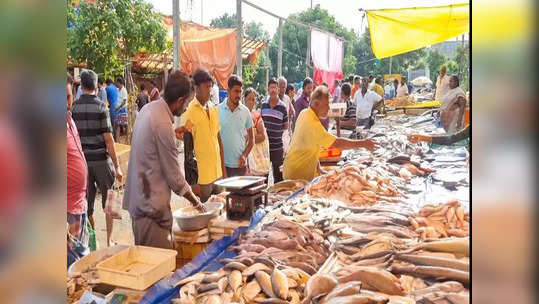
{"x": 121, "y": 109}
{"x": 214, "y": 94}
{"x": 287, "y": 134}
{"x": 365, "y": 99}
{"x": 442, "y": 84}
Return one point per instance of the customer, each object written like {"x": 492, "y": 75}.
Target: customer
{"x": 442, "y": 83}
{"x": 259, "y": 159}
{"x": 302, "y": 162}
{"x": 121, "y": 109}
{"x": 154, "y": 93}
{"x": 206, "y": 138}
{"x": 357, "y": 85}
{"x": 380, "y": 107}
{"x": 154, "y": 170}
{"x": 291, "y": 93}
{"x": 112, "y": 97}
{"x": 402, "y": 90}
{"x": 287, "y": 134}
{"x": 102, "y": 92}
{"x": 365, "y": 100}
{"x": 77, "y": 176}
{"x": 348, "y": 122}
{"x": 92, "y": 119}
{"x": 303, "y": 101}
{"x": 336, "y": 91}
{"x": 275, "y": 117}
{"x": 236, "y": 129}
{"x": 142, "y": 98}
{"x": 371, "y": 82}
{"x": 389, "y": 91}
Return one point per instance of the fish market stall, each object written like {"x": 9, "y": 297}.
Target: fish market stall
{"x": 385, "y": 227}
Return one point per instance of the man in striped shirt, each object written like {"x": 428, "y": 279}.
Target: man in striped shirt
{"x": 93, "y": 123}
{"x": 275, "y": 116}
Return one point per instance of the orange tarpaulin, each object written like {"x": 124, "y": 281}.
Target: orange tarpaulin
{"x": 207, "y": 48}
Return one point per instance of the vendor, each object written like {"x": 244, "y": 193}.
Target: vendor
{"x": 154, "y": 170}
{"x": 302, "y": 162}
{"x": 453, "y": 106}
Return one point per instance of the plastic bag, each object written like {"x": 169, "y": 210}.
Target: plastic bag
{"x": 113, "y": 205}
{"x": 259, "y": 159}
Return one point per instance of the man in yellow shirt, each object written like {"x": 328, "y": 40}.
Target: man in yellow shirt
{"x": 204, "y": 125}
{"x": 301, "y": 161}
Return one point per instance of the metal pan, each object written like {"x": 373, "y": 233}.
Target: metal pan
{"x": 239, "y": 182}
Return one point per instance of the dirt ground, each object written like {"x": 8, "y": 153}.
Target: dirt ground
{"x": 122, "y": 232}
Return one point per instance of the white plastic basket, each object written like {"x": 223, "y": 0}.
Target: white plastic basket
{"x": 137, "y": 267}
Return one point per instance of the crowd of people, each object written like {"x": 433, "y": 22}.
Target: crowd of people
{"x": 238, "y": 136}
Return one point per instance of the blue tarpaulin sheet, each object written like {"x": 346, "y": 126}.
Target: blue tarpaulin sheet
{"x": 208, "y": 260}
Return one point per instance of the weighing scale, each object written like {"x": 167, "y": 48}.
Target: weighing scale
{"x": 246, "y": 193}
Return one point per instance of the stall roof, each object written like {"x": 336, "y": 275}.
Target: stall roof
{"x": 156, "y": 62}
{"x": 397, "y": 31}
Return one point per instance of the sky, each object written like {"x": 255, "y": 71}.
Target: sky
{"x": 346, "y": 12}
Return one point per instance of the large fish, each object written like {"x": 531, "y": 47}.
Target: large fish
{"x": 318, "y": 284}
{"x": 279, "y": 283}
{"x": 235, "y": 279}
{"x": 452, "y": 245}
{"x": 427, "y": 260}
{"x": 436, "y": 272}
{"x": 379, "y": 279}
{"x": 250, "y": 290}
{"x": 264, "y": 280}
{"x": 254, "y": 268}
{"x": 346, "y": 289}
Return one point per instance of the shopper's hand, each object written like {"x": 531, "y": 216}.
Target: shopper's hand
{"x": 119, "y": 174}
{"x": 200, "y": 207}
{"x": 368, "y": 144}
{"x": 241, "y": 161}
{"x": 180, "y": 131}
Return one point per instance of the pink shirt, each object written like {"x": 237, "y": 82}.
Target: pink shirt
{"x": 77, "y": 171}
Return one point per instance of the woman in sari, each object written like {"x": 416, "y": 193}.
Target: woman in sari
{"x": 453, "y": 106}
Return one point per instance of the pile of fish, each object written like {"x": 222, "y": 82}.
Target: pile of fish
{"x": 245, "y": 281}
{"x": 282, "y": 190}
{"x": 355, "y": 185}
{"x": 272, "y": 265}
{"x": 444, "y": 220}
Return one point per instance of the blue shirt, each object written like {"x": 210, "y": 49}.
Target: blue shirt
{"x": 233, "y": 131}
{"x": 112, "y": 96}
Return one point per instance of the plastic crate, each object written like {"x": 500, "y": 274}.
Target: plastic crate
{"x": 137, "y": 267}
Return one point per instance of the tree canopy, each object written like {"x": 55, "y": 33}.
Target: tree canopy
{"x": 107, "y": 33}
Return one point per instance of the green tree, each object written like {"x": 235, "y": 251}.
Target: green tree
{"x": 462, "y": 59}
{"x": 224, "y": 21}
{"x": 107, "y": 33}
{"x": 295, "y": 43}
{"x": 252, "y": 29}
{"x": 435, "y": 60}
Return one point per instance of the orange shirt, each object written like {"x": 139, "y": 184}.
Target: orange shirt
{"x": 354, "y": 90}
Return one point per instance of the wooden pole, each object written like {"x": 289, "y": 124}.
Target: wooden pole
{"x": 239, "y": 65}
{"x": 176, "y": 32}
{"x": 280, "y": 53}
{"x": 308, "y": 55}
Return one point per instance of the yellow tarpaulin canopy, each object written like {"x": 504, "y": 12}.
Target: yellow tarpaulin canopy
{"x": 397, "y": 31}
